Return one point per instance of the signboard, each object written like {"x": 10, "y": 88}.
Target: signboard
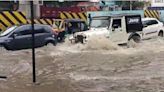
{"x": 133, "y": 20}
{"x": 157, "y": 3}
{"x": 52, "y": 12}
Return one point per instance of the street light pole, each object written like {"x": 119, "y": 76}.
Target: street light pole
{"x": 33, "y": 42}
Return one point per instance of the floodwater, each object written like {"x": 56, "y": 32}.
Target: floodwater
{"x": 98, "y": 66}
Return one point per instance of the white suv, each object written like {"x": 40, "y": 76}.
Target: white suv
{"x": 121, "y": 28}
{"x": 152, "y": 27}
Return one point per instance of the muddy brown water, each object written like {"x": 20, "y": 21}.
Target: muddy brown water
{"x": 92, "y": 67}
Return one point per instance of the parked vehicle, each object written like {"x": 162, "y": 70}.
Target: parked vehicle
{"x": 19, "y": 37}
{"x": 68, "y": 26}
{"x": 119, "y": 28}
{"x": 152, "y": 27}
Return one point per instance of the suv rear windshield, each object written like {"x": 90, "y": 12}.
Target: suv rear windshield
{"x": 100, "y": 22}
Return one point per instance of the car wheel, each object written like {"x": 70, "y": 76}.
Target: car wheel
{"x": 133, "y": 41}
{"x": 49, "y": 43}
{"x": 160, "y": 34}
{"x": 3, "y": 48}
{"x": 60, "y": 39}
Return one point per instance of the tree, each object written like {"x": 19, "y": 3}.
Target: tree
{"x": 136, "y": 5}
{"x": 126, "y": 4}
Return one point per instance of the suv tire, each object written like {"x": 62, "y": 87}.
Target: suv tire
{"x": 133, "y": 41}
{"x": 3, "y": 48}
{"x": 160, "y": 34}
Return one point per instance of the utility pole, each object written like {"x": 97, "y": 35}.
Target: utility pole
{"x": 33, "y": 42}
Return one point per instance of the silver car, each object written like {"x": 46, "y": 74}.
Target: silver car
{"x": 19, "y": 37}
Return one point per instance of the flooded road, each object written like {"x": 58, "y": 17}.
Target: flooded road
{"x": 92, "y": 67}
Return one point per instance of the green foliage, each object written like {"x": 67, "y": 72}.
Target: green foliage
{"x": 135, "y": 4}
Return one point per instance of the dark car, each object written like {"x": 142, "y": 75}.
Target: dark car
{"x": 19, "y": 37}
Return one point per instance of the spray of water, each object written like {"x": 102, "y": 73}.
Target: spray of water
{"x": 100, "y": 43}
{"x": 93, "y": 43}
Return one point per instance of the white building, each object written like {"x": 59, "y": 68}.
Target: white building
{"x": 157, "y": 3}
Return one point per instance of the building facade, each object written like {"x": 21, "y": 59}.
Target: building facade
{"x": 157, "y": 3}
